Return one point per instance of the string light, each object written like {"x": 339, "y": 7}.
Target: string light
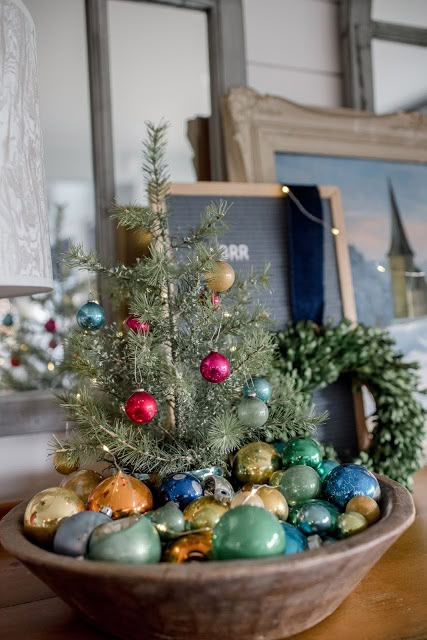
{"x": 381, "y": 269}
{"x": 50, "y": 366}
{"x": 287, "y": 192}
{"x": 407, "y": 274}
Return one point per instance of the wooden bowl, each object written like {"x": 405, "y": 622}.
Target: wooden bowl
{"x": 245, "y": 600}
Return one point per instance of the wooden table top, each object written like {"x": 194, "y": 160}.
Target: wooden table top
{"x": 389, "y": 604}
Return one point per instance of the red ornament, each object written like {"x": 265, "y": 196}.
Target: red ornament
{"x": 214, "y": 298}
{"x": 50, "y": 325}
{"x": 215, "y": 367}
{"x": 135, "y": 325}
{"x": 53, "y": 344}
{"x": 14, "y": 361}
{"x": 141, "y": 407}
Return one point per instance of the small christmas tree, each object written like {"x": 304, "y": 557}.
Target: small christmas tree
{"x": 191, "y": 343}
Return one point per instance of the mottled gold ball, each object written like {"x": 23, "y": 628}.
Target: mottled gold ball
{"x": 256, "y": 462}
{"x": 194, "y": 547}
{"x": 276, "y": 478}
{"x": 368, "y": 507}
{"x": 45, "y": 511}
{"x": 62, "y": 466}
{"x": 204, "y": 512}
{"x": 221, "y": 278}
{"x": 274, "y": 501}
{"x": 350, "y": 523}
{"x": 82, "y": 482}
{"x": 248, "y": 497}
{"x": 124, "y": 494}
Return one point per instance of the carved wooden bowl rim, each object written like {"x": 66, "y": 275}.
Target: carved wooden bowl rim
{"x": 397, "y": 510}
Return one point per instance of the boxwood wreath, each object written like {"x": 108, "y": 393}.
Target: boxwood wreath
{"x": 314, "y": 357}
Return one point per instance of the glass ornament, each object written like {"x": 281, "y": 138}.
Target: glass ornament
{"x": 136, "y": 325}
{"x": 82, "y": 482}
{"x": 215, "y": 367}
{"x": 73, "y": 533}
{"x": 252, "y": 412}
{"x": 260, "y": 387}
{"x": 124, "y": 494}
{"x": 45, "y": 511}
{"x": 141, "y": 407}
{"x": 274, "y": 501}
{"x": 168, "y": 520}
{"x": 299, "y": 483}
{"x": 349, "y": 480}
{"x": 219, "y": 488}
{"x": 255, "y": 463}
{"x": 131, "y": 540}
{"x": 295, "y": 540}
{"x": 91, "y": 316}
{"x": 348, "y": 524}
{"x": 62, "y": 466}
{"x": 325, "y": 467}
{"x": 366, "y": 506}
{"x": 301, "y": 451}
{"x": 204, "y": 512}
{"x": 181, "y": 488}
{"x": 316, "y": 516}
{"x": 221, "y": 278}
{"x": 194, "y": 547}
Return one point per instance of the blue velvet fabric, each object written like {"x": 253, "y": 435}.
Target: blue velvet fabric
{"x": 305, "y": 242}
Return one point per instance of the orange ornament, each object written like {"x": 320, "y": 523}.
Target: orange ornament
{"x": 190, "y": 548}
{"x": 124, "y": 494}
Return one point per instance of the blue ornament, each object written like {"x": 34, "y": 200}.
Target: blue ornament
{"x": 258, "y": 386}
{"x": 316, "y": 516}
{"x": 349, "y": 480}
{"x": 295, "y": 540}
{"x": 325, "y": 467}
{"x": 181, "y": 488}
{"x": 91, "y": 316}
{"x": 72, "y": 535}
{"x": 8, "y": 320}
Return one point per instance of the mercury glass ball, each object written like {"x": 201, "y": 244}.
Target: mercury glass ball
{"x": 299, "y": 483}
{"x": 301, "y": 451}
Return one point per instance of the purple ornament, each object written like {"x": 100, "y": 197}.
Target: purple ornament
{"x": 215, "y": 367}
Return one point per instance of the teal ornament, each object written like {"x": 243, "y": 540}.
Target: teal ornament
{"x": 252, "y": 412}
{"x": 325, "y": 467}
{"x": 247, "y": 532}
{"x": 168, "y": 520}
{"x": 292, "y": 515}
{"x": 181, "y": 488}
{"x": 316, "y": 516}
{"x": 260, "y": 387}
{"x": 132, "y": 540}
{"x": 299, "y": 483}
{"x": 295, "y": 540}
{"x": 72, "y": 536}
{"x": 301, "y": 451}
{"x": 8, "y": 320}
{"x": 91, "y": 316}
{"x": 279, "y": 446}
{"x": 349, "y": 480}
{"x": 201, "y": 474}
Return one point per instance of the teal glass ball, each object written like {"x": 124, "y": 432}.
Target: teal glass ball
{"x": 299, "y": 483}
{"x": 295, "y": 540}
{"x": 247, "y": 532}
{"x": 260, "y": 387}
{"x": 131, "y": 540}
{"x": 325, "y": 467}
{"x": 91, "y": 316}
{"x": 252, "y": 412}
{"x": 316, "y": 516}
{"x": 301, "y": 451}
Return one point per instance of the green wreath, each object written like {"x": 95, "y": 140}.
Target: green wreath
{"x": 314, "y": 357}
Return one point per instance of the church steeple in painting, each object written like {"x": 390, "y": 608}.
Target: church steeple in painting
{"x": 399, "y": 242}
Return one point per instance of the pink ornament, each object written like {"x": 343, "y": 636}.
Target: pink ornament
{"x": 214, "y": 298}
{"x": 141, "y": 407}
{"x": 135, "y": 325}
{"x": 215, "y": 367}
{"x": 50, "y": 325}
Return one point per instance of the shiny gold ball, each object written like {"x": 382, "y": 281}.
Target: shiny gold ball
{"x": 350, "y": 523}
{"x": 248, "y": 497}
{"x": 194, "y": 547}
{"x": 82, "y": 482}
{"x": 62, "y": 465}
{"x": 204, "y": 512}
{"x": 274, "y": 501}
{"x": 45, "y": 511}
{"x": 366, "y": 506}
{"x": 256, "y": 462}
{"x": 124, "y": 494}
{"x": 221, "y": 278}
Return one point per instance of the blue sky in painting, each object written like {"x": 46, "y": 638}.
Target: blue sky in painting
{"x": 363, "y": 185}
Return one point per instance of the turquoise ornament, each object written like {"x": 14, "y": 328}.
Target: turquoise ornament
{"x": 168, "y": 520}
{"x": 295, "y": 540}
{"x": 252, "y": 412}
{"x": 325, "y": 467}
{"x": 8, "y": 320}
{"x": 72, "y": 536}
{"x": 299, "y": 483}
{"x": 349, "y": 480}
{"x": 132, "y": 540}
{"x": 260, "y": 387}
{"x": 247, "y": 532}
{"x": 301, "y": 451}
{"x": 202, "y": 474}
{"x": 91, "y": 316}
{"x": 181, "y": 488}
{"x": 317, "y": 516}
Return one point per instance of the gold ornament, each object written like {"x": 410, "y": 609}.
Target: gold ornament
{"x": 273, "y": 500}
{"x": 45, "y": 511}
{"x": 82, "y": 482}
{"x": 204, "y": 512}
{"x": 276, "y": 478}
{"x": 137, "y": 245}
{"x": 256, "y": 462}
{"x": 366, "y": 506}
{"x": 248, "y": 497}
{"x": 350, "y": 523}
{"x": 62, "y": 466}
{"x": 124, "y": 494}
{"x": 221, "y": 278}
{"x": 190, "y": 548}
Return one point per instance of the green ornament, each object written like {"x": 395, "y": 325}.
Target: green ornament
{"x": 252, "y": 412}
{"x": 316, "y": 516}
{"x": 301, "y": 451}
{"x": 131, "y": 540}
{"x": 325, "y": 466}
{"x": 299, "y": 483}
{"x": 247, "y": 532}
{"x": 168, "y": 520}
{"x": 348, "y": 524}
